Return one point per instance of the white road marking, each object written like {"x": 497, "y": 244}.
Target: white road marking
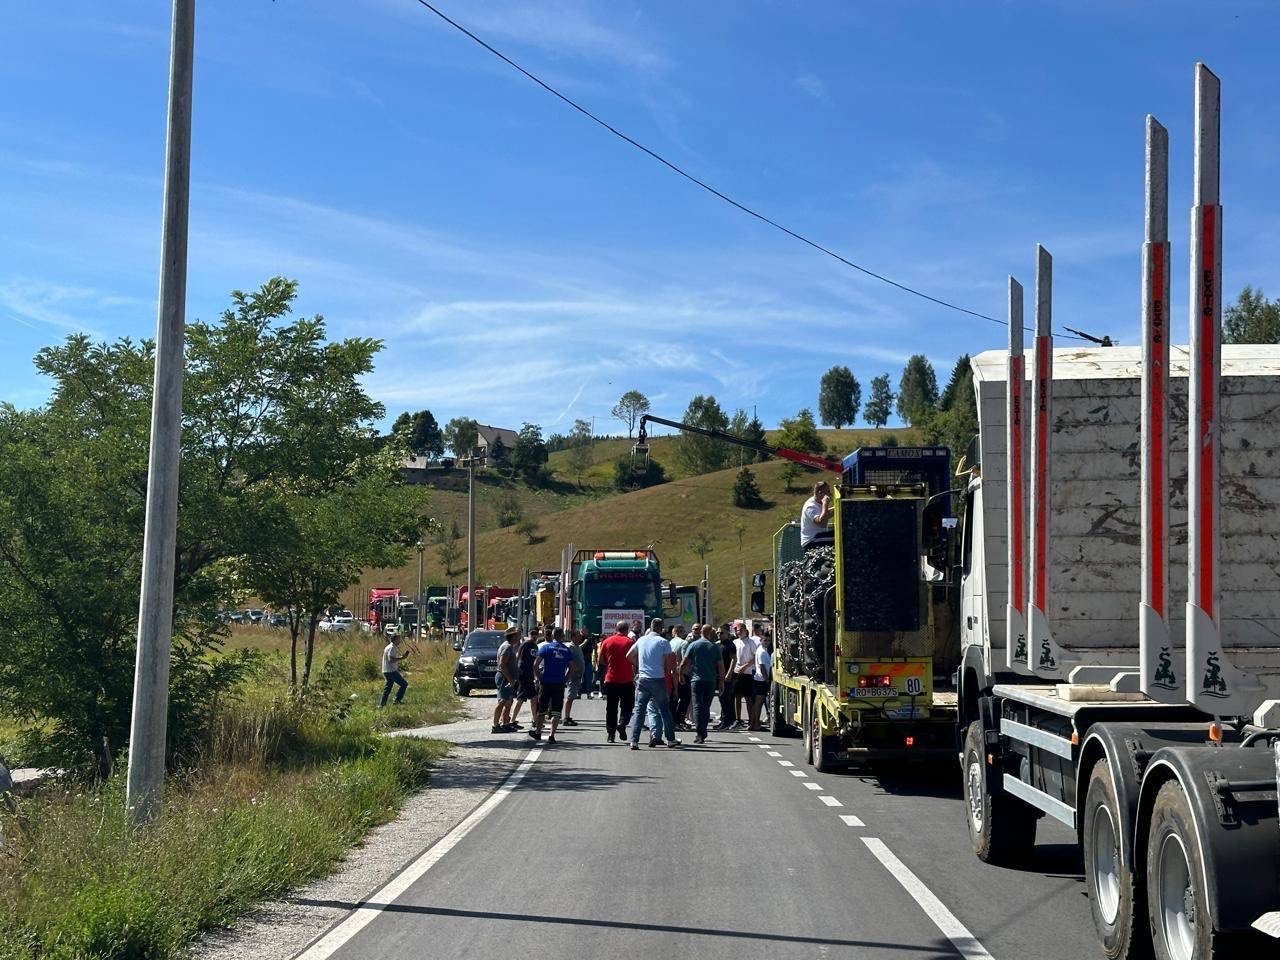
{"x": 754, "y": 739}
{"x": 387, "y": 894}
{"x": 831, "y": 801}
{"x": 763, "y": 746}
{"x": 813, "y": 786}
{"x": 851, "y": 821}
{"x": 797, "y": 773}
{"x": 773, "y": 753}
{"x": 786, "y": 763}
{"x": 955, "y": 931}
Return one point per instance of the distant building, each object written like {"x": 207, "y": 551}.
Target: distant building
{"x": 490, "y": 435}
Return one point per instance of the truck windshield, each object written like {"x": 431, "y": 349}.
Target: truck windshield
{"x": 629, "y": 594}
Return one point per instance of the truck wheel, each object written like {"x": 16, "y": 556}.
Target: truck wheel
{"x": 1002, "y": 828}
{"x": 816, "y": 751}
{"x": 1181, "y": 927}
{"x": 1113, "y": 892}
{"x": 780, "y": 727}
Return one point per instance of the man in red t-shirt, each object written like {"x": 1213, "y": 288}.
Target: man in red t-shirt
{"x": 619, "y": 681}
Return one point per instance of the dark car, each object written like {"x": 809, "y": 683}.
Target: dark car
{"x": 478, "y": 664}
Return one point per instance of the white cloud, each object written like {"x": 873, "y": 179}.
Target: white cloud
{"x": 812, "y": 85}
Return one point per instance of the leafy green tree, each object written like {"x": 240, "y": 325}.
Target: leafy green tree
{"x": 580, "y": 454}
{"x": 268, "y": 405}
{"x": 697, "y": 455}
{"x": 745, "y": 492}
{"x": 790, "y": 474}
{"x": 880, "y": 404}
{"x": 701, "y": 545}
{"x": 839, "y": 396}
{"x": 420, "y": 433}
{"x": 801, "y": 433}
{"x": 509, "y": 509}
{"x": 528, "y": 528}
{"x": 740, "y": 531}
{"x": 631, "y": 406}
{"x": 629, "y": 475}
{"x": 888, "y": 440}
{"x": 462, "y": 435}
{"x": 917, "y": 391}
{"x": 1251, "y": 319}
{"x": 529, "y": 455}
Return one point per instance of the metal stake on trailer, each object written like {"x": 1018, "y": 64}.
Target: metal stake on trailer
{"x": 1015, "y": 459}
{"x": 1161, "y": 680}
{"x": 1213, "y": 683}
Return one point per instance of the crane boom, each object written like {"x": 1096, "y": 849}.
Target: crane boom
{"x": 786, "y": 453}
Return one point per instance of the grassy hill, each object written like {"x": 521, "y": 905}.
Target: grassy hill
{"x": 667, "y": 516}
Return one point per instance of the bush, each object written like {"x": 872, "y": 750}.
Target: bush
{"x": 629, "y": 475}
{"x": 745, "y": 492}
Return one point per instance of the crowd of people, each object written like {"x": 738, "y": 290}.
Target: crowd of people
{"x": 663, "y": 680}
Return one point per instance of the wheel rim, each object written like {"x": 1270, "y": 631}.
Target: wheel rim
{"x": 815, "y": 735}
{"x": 974, "y": 781}
{"x": 1177, "y": 899}
{"x": 1105, "y": 864}
{"x": 457, "y": 687}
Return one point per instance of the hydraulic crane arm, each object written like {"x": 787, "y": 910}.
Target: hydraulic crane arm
{"x": 786, "y": 453}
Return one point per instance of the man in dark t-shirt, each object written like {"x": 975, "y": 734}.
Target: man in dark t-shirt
{"x": 555, "y": 666}
{"x": 729, "y": 654}
{"x": 526, "y": 676}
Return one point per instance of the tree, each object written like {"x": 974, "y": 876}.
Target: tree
{"x": 961, "y": 380}
{"x": 755, "y": 434}
{"x": 420, "y": 433}
{"x": 790, "y": 474}
{"x": 917, "y": 391}
{"x": 629, "y": 475}
{"x": 508, "y": 509}
{"x": 880, "y": 404}
{"x": 450, "y": 551}
{"x": 293, "y": 417}
{"x": 462, "y": 434}
{"x": 701, "y": 545}
{"x": 529, "y": 455}
{"x": 580, "y": 455}
{"x": 745, "y": 492}
{"x": 631, "y": 406}
{"x": 499, "y": 456}
{"x": 739, "y": 531}
{"x": 801, "y": 433}
{"x": 1252, "y": 319}
{"x": 528, "y": 528}
{"x": 956, "y": 422}
{"x": 697, "y": 455}
{"x": 839, "y": 396}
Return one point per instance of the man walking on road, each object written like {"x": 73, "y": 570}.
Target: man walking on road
{"x": 391, "y": 657}
{"x": 655, "y": 664}
{"x": 619, "y": 681}
{"x": 507, "y": 678}
{"x": 554, "y": 666}
{"x": 575, "y": 678}
{"x": 526, "y": 676}
{"x": 761, "y": 678}
{"x": 683, "y": 692}
{"x": 744, "y": 668}
{"x": 728, "y": 654}
{"x": 705, "y": 664}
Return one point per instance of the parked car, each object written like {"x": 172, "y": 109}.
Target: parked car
{"x": 392, "y": 630}
{"x": 347, "y": 617}
{"x": 255, "y": 616}
{"x": 235, "y": 616}
{"x": 478, "y": 664}
{"x": 277, "y": 620}
{"x": 329, "y": 625}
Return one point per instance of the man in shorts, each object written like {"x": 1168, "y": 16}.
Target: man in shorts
{"x": 507, "y": 679}
{"x": 554, "y": 667}
{"x": 575, "y": 679}
{"x": 526, "y": 678}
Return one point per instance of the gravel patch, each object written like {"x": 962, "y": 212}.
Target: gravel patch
{"x": 459, "y": 782}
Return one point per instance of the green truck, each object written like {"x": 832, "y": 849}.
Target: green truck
{"x": 606, "y": 586}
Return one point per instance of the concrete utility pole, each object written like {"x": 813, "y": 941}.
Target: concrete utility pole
{"x": 471, "y": 542}
{"x": 145, "y": 788}
{"x": 422, "y": 548}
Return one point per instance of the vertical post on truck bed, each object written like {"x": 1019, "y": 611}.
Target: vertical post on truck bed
{"x": 1213, "y": 683}
{"x": 1162, "y": 679}
{"x": 1043, "y": 655}
{"x": 1015, "y": 459}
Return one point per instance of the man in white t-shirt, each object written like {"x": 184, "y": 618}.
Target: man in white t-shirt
{"x": 815, "y": 517}
{"x": 391, "y": 657}
{"x": 744, "y": 667}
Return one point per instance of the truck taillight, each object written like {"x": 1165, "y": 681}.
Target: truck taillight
{"x": 909, "y": 741}
{"x": 875, "y": 680}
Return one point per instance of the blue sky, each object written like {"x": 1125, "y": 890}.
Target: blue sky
{"x": 522, "y": 264}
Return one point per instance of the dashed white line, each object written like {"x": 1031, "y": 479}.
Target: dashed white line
{"x": 754, "y": 739}
{"x": 955, "y": 931}
{"x": 830, "y": 801}
{"x": 387, "y": 894}
{"x": 763, "y": 746}
{"x": 851, "y": 821}
{"x": 773, "y": 753}
{"x": 797, "y": 773}
{"x": 812, "y": 786}
{"x": 785, "y": 763}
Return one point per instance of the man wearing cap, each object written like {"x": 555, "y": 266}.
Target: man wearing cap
{"x": 507, "y": 679}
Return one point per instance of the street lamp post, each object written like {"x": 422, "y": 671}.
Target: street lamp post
{"x": 421, "y": 551}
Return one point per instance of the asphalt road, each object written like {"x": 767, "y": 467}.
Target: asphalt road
{"x": 718, "y": 851}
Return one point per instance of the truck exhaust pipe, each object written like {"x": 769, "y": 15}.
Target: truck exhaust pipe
{"x": 1015, "y": 478}
{"x": 1162, "y": 679}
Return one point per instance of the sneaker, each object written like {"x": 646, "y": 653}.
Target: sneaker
{"x": 611, "y": 740}
{"x": 623, "y": 733}
{"x": 675, "y": 743}
{"x": 739, "y": 724}
{"x": 570, "y": 722}
{"x": 551, "y": 739}
{"x": 699, "y": 739}
{"x": 654, "y": 743}
{"x": 535, "y": 735}
{"x": 635, "y": 746}
{"x": 498, "y": 729}
{"x": 514, "y": 725}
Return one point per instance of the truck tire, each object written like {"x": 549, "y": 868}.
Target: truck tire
{"x": 1115, "y": 897}
{"x": 1177, "y": 907}
{"x": 816, "y": 751}
{"x": 780, "y": 727}
{"x": 1002, "y": 828}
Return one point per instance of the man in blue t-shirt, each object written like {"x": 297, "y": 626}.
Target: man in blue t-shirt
{"x": 555, "y": 666}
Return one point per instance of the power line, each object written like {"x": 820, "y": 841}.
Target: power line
{"x": 675, "y": 168}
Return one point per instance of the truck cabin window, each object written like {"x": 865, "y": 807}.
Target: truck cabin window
{"x": 633, "y": 594}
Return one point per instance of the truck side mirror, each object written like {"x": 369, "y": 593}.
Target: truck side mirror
{"x": 758, "y": 581}
{"x": 757, "y": 601}
{"x": 672, "y": 599}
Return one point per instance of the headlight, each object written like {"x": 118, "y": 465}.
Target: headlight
{"x": 467, "y": 661}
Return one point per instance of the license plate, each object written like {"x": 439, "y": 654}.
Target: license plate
{"x": 866, "y": 693}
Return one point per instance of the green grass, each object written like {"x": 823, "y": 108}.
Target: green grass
{"x": 282, "y": 790}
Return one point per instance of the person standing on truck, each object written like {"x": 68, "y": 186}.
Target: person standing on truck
{"x": 705, "y": 665}
{"x": 761, "y": 676}
{"x": 575, "y": 678}
{"x": 507, "y": 679}
{"x": 391, "y": 657}
{"x": 555, "y": 667}
{"x": 618, "y": 679}
{"x": 815, "y": 518}
{"x": 655, "y": 664}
